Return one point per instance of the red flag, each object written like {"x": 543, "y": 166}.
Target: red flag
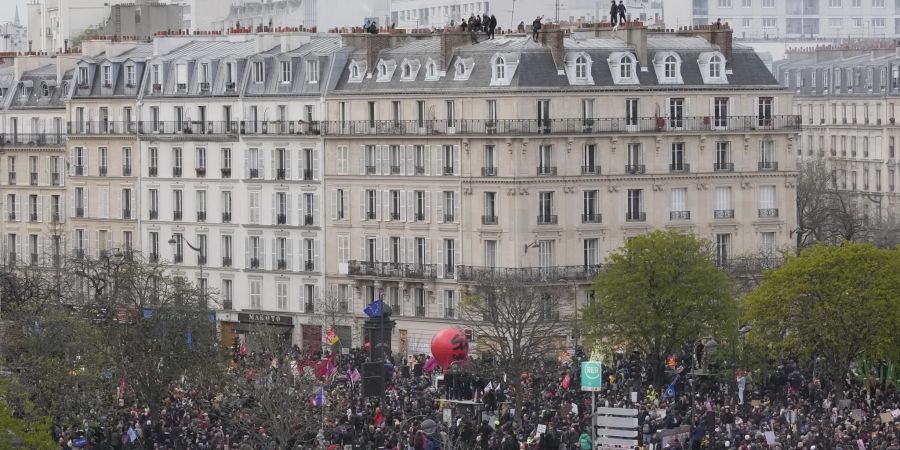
{"x": 243, "y": 349}
{"x": 567, "y": 380}
{"x": 121, "y": 391}
{"x": 379, "y": 417}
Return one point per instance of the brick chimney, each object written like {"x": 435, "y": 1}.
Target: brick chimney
{"x": 552, "y": 37}
{"x": 719, "y": 34}
{"x": 451, "y": 40}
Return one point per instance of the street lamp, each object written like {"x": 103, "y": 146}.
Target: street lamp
{"x": 200, "y": 259}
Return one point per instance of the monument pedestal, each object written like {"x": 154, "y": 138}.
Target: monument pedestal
{"x": 377, "y": 332}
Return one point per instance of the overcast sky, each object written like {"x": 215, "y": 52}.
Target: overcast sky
{"x": 8, "y": 10}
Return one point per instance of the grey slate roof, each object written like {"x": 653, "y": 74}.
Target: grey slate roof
{"x": 33, "y": 82}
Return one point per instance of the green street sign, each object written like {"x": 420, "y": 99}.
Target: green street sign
{"x": 591, "y": 375}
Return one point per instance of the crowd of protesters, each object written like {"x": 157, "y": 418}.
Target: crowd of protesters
{"x": 541, "y": 408}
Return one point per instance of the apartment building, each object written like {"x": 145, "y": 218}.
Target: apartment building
{"x": 233, "y": 177}
{"x": 518, "y": 161}
{"x": 847, "y": 98}
{"x": 779, "y": 19}
{"x": 103, "y": 150}
{"x": 32, "y": 162}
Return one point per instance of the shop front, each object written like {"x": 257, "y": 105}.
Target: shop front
{"x": 257, "y": 330}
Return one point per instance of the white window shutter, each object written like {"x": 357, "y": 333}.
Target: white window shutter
{"x": 261, "y": 163}
{"x": 272, "y": 154}
{"x": 379, "y": 198}
{"x": 427, "y": 161}
{"x": 87, "y": 203}
{"x": 377, "y": 162}
{"x": 274, "y": 253}
{"x": 456, "y": 201}
{"x": 315, "y": 212}
{"x": 456, "y": 168}
{"x": 439, "y": 206}
{"x": 439, "y": 161}
{"x": 457, "y": 255}
{"x": 363, "y": 254}
{"x": 287, "y": 162}
{"x": 334, "y": 204}
{"x": 302, "y": 298}
{"x": 247, "y": 252}
{"x": 362, "y": 159}
{"x": 440, "y": 259}
{"x": 274, "y": 208}
{"x": 289, "y": 253}
{"x": 427, "y": 251}
{"x": 315, "y": 163}
{"x": 427, "y": 206}
{"x": 402, "y": 206}
{"x": 411, "y": 205}
{"x": 40, "y": 208}
{"x": 410, "y": 250}
{"x": 247, "y": 163}
{"x": 317, "y": 260}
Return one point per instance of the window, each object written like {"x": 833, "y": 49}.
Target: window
{"x": 723, "y": 210}
{"x": 545, "y": 208}
{"x": 746, "y": 3}
{"x": 767, "y": 244}
{"x": 635, "y": 158}
{"x": 631, "y": 112}
{"x": 723, "y": 248}
{"x": 679, "y": 209}
{"x": 490, "y": 253}
{"x": 591, "y": 255}
{"x": 285, "y": 71}
{"x": 581, "y": 68}
{"x": 339, "y": 204}
{"x": 769, "y": 22}
{"x": 724, "y": 3}
{"x": 590, "y": 163}
{"x": 545, "y": 160}
{"x": 767, "y": 156}
{"x": 767, "y": 202}
{"x": 677, "y": 163}
{"x": 878, "y": 22}
{"x": 258, "y": 74}
{"x": 676, "y": 112}
{"x": 499, "y": 68}
{"x": 312, "y": 71}
{"x": 625, "y": 69}
{"x": 835, "y": 3}
{"x": 45, "y": 90}
{"x": 670, "y": 67}
{"x": 449, "y": 205}
{"x": 256, "y": 294}
{"x": 451, "y": 113}
{"x": 545, "y": 253}
{"x": 177, "y": 204}
{"x": 720, "y": 111}
{"x": 765, "y": 107}
{"x": 371, "y": 204}
{"x": 82, "y": 76}
{"x": 590, "y": 212}
{"x": 634, "y": 206}
{"x": 253, "y": 203}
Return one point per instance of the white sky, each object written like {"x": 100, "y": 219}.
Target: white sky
{"x": 8, "y": 10}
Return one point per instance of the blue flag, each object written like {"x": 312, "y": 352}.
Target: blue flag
{"x": 320, "y": 398}
{"x": 190, "y": 339}
{"x": 148, "y": 313}
{"x": 375, "y": 309}
{"x": 37, "y": 327}
{"x": 670, "y": 391}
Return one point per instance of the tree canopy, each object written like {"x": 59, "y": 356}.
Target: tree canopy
{"x": 658, "y": 293}
{"x": 836, "y": 302}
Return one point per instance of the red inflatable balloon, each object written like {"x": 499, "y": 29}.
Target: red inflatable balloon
{"x": 448, "y": 346}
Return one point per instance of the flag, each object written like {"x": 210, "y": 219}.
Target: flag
{"x": 330, "y": 367}
{"x": 148, "y": 313}
{"x": 708, "y": 404}
{"x": 190, "y": 339}
{"x": 354, "y": 375}
{"x": 374, "y": 309}
{"x": 243, "y": 349}
{"x": 331, "y": 337}
{"x": 488, "y": 388}
{"x": 566, "y": 381}
{"x": 670, "y": 391}
{"x": 319, "y": 399}
{"x": 121, "y": 390}
{"x": 132, "y": 436}
{"x": 430, "y": 365}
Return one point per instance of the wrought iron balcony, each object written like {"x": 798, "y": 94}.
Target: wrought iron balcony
{"x": 309, "y": 220}
{"x": 750, "y": 264}
{"x": 590, "y": 170}
{"x": 448, "y": 170}
{"x": 33, "y": 179}
{"x": 280, "y": 219}
{"x": 254, "y": 173}
{"x": 226, "y": 261}
{"x": 635, "y": 169}
{"x": 126, "y": 170}
{"x": 489, "y": 275}
{"x": 55, "y": 179}
{"x": 547, "y": 219}
{"x": 723, "y": 167}
{"x": 591, "y": 218}
{"x": 489, "y": 220}
{"x": 723, "y": 214}
{"x": 176, "y": 215}
{"x": 569, "y": 126}
{"x": 32, "y": 139}
{"x": 395, "y": 216}
{"x": 179, "y": 258}
{"x": 79, "y": 212}
{"x": 226, "y": 172}
{"x": 419, "y": 217}
{"x": 280, "y": 174}
{"x": 154, "y": 214}
{"x": 153, "y": 171}
{"x": 768, "y": 165}
{"x": 307, "y": 174}
{"x": 79, "y": 170}
{"x": 420, "y": 170}
{"x": 176, "y": 171}
{"x": 200, "y": 171}
{"x": 489, "y": 171}
{"x": 282, "y": 264}
{"x": 201, "y": 216}
{"x": 226, "y": 217}
{"x": 309, "y": 266}
{"x": 768, "y": 213}
{"x": 11, "y": 178}
{"x": 679, "y": 215}
{"x": 681, "y": 167}
{"x": 634, "y": 216}
{"x": 154, "y": 257}
{"x": 369, "y": 269}
{"x": 395, "y": 170}
{"x": 126, "y": 213}
{"x": 449, "y": 218}
{"x": 254, "y": 263}
{"x": 102, "y": 171}
{"x": 32, "y": 217}
{"x": 370, "y": 170}
{"x": 546, "y": 170}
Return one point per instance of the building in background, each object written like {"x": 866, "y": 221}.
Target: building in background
{"x": 411, "y": 14}
{"x": 13, "y": 35}
{"x": 55, "y": 24}
{"x": 321, "y": 14}
{"x": 142, "y": 20}
{"x": 792, "y": 19}
{"x": 848, "y": 97}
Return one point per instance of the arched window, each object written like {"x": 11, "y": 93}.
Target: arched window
{"x": 66, "y": 89}
{"x": 500, "y": 68}
{"x": 460, "y": 68}
{"x": 406, "y": 71}
{"x": 715, "y": 67}
{"x": 382, "y": 70}
{"x": 354, "y": 71}
{"x": 625, "y": 67}
{"x": 430, "y": 69}
{"x": 670, "y": 65}
{"x": 581, "y": 68}
{"x": 45, "y": 90}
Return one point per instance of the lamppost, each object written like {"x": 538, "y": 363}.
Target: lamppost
{"x": 201, "y": 257}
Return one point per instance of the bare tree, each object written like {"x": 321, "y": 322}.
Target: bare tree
{"x": 518, "y": 324}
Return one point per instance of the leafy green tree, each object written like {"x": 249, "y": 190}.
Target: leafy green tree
{"x": 835, "y": 302}
{"x": 658, "y": 293}
{"x": 21, "y": 426}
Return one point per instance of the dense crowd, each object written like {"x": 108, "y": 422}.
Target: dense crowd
{"x": 542, "y": 408}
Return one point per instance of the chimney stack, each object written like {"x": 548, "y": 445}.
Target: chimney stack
{"x": 554, "y": 39}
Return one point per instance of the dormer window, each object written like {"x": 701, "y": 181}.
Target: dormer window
{"x": 712, "y": 68}
{"x": 670, "y": 66}
{"x": 65, "y": 89}
{"x": 407, "y": 71}
{"x": 460, "y": 68}
{"x": 129, "y": 76}
{"x": 258, "y": 74}
{"x": 24, "y": 92}
{"x": 357, "y": 71}
{"x": 385, "y": 70}
{"x": 286, "y": 72}
{"x": 715, "y": 67}
{"x": 82, "y": 76}
{"x": 45, "y": 90}
{"x": 181, "y": 76}
{"x": 625, "y": 69}
{"x": 312, "y": 71}
{"x": 430, "y": 70}
{"x": 382, "y": 70}
{"x": 354, "y": 71}
{"x": 500, "y": 68}
{"x": 581, "y": 68}
{"x": 107, "y": 76}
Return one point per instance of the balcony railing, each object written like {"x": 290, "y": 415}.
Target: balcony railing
{"x": 753, "y": 264}
{"x": 448, "y": 170}
{"x": 102, "y": 171}
{"x": 154, "y": 214}
{"x": 723, "y": 167}
{"x": 395, "y": 170}
{"x": 281, "y": 264}
{"x": 395, "y": 216}
{"x": 419, "y": 170}
{"x": 126, "y": 170}
{"x": 200, "y": 171}
{"x": 254, "y": 173}
{"x": 34, "y": 139}
{"x": 176, "y": 171}
{"x": 419, "y": 217}
{"x": 679, "y": 215}
{"x": 546, "y": 170}
{"x": 307, "y": 175}
{"x": 489, "y": 275}
{"x": 33, "y": 179}
{"x": 768, "y": 213}
{"x": 370, "y": 170}
{"x": 153, "y": 171}
{"x": 392, "y": 270}
{"x": 631, "y": 216}
{"x": 55, "y": 179}
{"x": 309, "y": 220}
{"x": 254, "y": 263}
{"x": 179, "y": 258}
{"x": 32, "y": 217}
{"x": 176, "y": 215}
{"x": 280, "y": 174}
{"x": 126, "y": 213}
{"x": 723, "y": 214}
{"x": 309, "y": 266}
{"x": 682, "y": 167}
{"x": 489, "y": 220}
{"x": 11, "y": 178}
{"x": 547, "y": 219}
{"x": 768, "y": 165}
{"x": 449, "y": 218}
{"x": 226, "y": 172}
{"x": 79, "y": 170}
{"x": 79, "y": 212}
{"x": 154, "y": 257}
{"x": 201, "y": 216}
{"x": 635, "y": 169}
{"x": 591, "y": 218}
{"x": 590, "y": 170}
{"x": 226, "y": 261}
{"x": 280, "y": 218}
{"x": 101, "y": 127}
{"x": 489, "y": 171}
{"x": 519, "y": 127}
{"x": 11, "y": 216}
{"x": 201, "y": 260}
{"x": 226, "y": 217}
